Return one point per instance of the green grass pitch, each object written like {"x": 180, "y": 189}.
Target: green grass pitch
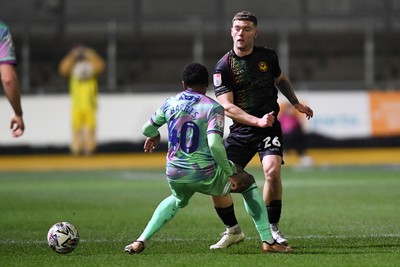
{"x": 333, "y": 216}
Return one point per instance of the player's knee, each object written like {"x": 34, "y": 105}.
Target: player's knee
{"x": 272, "y": 174}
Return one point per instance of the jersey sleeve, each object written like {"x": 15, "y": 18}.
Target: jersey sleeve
{"x": 215, "y": 132}
{"x": 150, "y": 129}
{"x": 216, "y": 120}
{"x": 158, "y": 119}
{"x": 222, "y": 76}
{"x": 7, "y": 50}
{"x": 275, "y": 67}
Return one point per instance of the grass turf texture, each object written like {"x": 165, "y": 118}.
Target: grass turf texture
{"x": 339, "y": 216}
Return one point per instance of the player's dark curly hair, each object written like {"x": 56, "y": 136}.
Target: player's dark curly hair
{"x": 195, "y": 74}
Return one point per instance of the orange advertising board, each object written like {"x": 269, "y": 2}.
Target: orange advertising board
{"x": 385, "y": 113}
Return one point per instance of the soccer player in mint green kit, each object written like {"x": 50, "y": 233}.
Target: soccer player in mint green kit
{"x": 196, "y": 159}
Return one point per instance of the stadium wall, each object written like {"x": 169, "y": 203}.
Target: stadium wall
{"x": 342, "y": 119}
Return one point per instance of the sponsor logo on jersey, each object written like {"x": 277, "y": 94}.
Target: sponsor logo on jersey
{"x": 217, "y": 78}
{"x": 262, "y": 66}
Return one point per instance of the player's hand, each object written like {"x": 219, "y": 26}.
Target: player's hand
{"x": 151, "y": 143}
{"x": 267, "y": 120}
{"x": 17, "y": 126}
{"x": 234, "y": 183}
{"x": 305, "y": 109}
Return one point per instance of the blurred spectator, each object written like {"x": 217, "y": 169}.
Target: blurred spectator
{"x": 82, "y": 66}
{"x": 9, "y": 79}
{"x": 294, "y": 137}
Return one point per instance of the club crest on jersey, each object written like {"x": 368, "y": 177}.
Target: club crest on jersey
{"x": 262, "y": 66}
{"x": 217, "y": 79}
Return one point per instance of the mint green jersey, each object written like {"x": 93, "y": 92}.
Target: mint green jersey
{"x": 7, "y": 50}
{"x": 190, "y": 116}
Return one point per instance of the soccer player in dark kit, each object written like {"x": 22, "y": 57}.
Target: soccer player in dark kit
{"x": 246, "y": 82}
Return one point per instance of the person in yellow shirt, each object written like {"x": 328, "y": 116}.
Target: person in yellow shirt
{"x": 82, "y": 66}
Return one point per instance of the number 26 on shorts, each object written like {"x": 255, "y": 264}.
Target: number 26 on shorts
{"x": 269, "y": 141}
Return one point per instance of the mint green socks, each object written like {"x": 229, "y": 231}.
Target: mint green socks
{"x": 165, "y": 211}
{"x": 255, "y": 207}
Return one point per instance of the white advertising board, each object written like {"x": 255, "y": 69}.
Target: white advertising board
{"x": 121, "y": 116}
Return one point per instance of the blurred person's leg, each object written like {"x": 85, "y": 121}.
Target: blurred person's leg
{"x": 76, "y": 146}
{"x": 90, "y": 142}
{"x": 90, "y": 132}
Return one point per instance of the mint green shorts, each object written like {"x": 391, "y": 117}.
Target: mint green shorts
{"x": 218, "y": 185}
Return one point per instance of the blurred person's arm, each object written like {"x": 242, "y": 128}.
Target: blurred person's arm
{"x": 67, "y": 64}
{"x": 96, "y": 60}
{"x": 10, "y": 83}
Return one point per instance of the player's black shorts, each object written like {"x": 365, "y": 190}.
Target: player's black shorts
{"x": 242, "y": 144}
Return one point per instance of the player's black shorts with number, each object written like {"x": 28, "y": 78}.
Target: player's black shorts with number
{"x": 242, "y": 144}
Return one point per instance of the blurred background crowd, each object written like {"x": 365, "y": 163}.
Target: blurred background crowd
{"x": 330, "y": 44}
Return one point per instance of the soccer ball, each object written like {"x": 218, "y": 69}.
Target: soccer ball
{"x": 63, "y": 237}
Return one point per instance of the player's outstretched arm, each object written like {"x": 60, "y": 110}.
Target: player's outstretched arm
{"x": 239, "y": 115}
{"x": 285, "y": 86}
{"x": 218, "y": 152}
{"x": 11, "y": 87}
{"x": 153, "y": 137}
